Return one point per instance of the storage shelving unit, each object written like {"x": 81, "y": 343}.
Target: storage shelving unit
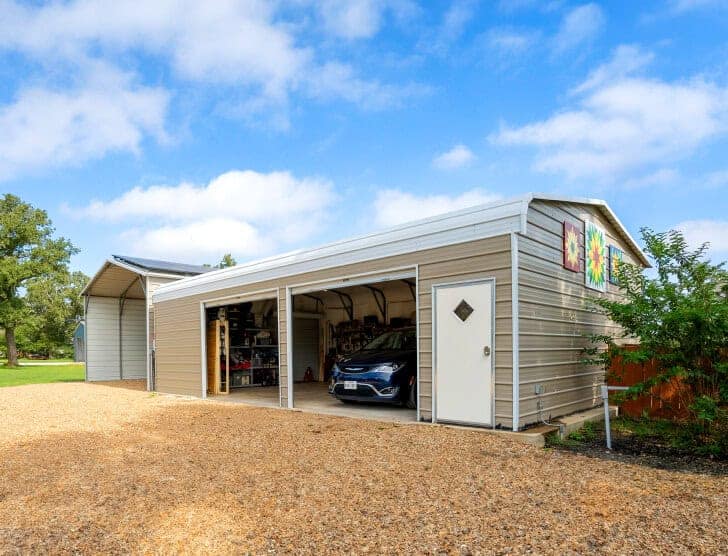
{"x": 257, "y": 373}
{"x": 218, "y": 357}
{"x": 247, "y": 343}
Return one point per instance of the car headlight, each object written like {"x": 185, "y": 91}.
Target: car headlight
{"x": 387, "y": 368}
{"x": 335, "y": 369}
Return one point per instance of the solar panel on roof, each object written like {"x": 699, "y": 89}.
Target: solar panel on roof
{"x": 163, "y": 266}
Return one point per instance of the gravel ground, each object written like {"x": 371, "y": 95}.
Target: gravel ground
{"x": 96, "y": 469}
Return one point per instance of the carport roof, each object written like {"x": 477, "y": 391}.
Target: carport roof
{"x": 488, "y": 220}
{"x": 119, "y": 275}
{"x": 153, "y": 265}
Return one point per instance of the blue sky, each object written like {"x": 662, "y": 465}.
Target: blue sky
{"x": 184, "y": 130}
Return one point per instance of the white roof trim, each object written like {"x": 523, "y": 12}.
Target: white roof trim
{"x": 470, "y": 224}
{"x": 126, "y": 266}
{"x": 461, "y": 226}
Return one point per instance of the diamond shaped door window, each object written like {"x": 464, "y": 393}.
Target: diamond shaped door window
{"x": 463, "y": 310}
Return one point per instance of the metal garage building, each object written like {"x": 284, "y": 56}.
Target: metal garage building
{"x": 119, "y": 321}
{"x": 515, "y": 361}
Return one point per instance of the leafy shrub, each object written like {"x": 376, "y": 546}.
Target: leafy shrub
{"x": 680, "y": 319}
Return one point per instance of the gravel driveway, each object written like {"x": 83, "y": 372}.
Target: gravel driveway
{"x": 91, "y": 468}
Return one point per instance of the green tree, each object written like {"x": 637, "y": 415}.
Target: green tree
{"x": 680, "y": 319}
{"x": 227, "y": 261}
{"x": 54, "y": 307}
{"x": 27, "y": 251}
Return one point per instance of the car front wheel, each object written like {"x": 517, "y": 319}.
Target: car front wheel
{"x": 411, "y": 402}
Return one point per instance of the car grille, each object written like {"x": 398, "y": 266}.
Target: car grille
{"x": 355, "y": 369}
{"x": 361, "y": 391}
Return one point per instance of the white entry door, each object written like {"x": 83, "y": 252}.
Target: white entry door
{"x": 463, "y": 358}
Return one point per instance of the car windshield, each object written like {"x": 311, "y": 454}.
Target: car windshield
{"x": 397, "y": 340}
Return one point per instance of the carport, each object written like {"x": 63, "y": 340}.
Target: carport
{"x": 119, "y": 319}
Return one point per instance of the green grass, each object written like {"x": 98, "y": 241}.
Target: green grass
{"x": 61, "y": 360}
{"x": 585, "y": 435}
{"x": 72, "y": 372}
{"x": 650, "y": 435}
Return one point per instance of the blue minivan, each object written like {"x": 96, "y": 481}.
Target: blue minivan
{"x": 384, "y": 371}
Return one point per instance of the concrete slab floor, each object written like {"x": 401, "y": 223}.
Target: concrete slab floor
{"x": 315, "y": 397}
{"x": 266, "y": 396}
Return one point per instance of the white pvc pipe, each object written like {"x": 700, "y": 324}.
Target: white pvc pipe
{"x": 605, "y": 398}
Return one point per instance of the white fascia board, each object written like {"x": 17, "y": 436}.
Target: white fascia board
{"x": 449, "y": 229}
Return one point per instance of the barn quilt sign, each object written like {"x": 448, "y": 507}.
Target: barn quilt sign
{"x": 571, "y": 247}
{"x": 595, "y": 257}
{"x": 616, "y": 256}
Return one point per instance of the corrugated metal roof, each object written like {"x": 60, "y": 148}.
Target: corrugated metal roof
{"x": 153, "y": 265}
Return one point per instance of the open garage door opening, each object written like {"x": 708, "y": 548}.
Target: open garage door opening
{"x": 354, "y": 349}
{"x": 242, "y": 351}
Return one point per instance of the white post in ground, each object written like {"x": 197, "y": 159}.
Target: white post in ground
{"x": 605, "y": 399}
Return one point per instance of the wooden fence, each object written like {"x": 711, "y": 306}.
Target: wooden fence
{"x": 666, "y": 400}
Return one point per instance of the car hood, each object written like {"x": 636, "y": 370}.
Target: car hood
{"x": 368, "y": 359}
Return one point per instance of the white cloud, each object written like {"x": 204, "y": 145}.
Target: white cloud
{"x": 47, "y": 127}
{"x": 247, "y": 55}
{"x": 681, "y": 6}
{"x": 453, "y": 24}
{"x": 624, "y": 124}
{"x": 510, "y": 42}
{"x": 360, "y": 19}
{"x": 626, "y": 60}
{"x": 242, "y": 44}
{"x": 456, "y": 19}
{"x": 581, "y": 25}
{"x": 203, "y": 241}
{"x": 457, "y": 157}
{"x": 335, "y": 80}
{"x": 716, "y": 179}
{"x": 393, "y": 206}
{"x": 218, "y": 42}
{"x": 714, "y": 232}
{"x": 352, "y": 19}
{"x": 662, "y": 176}
{"x": 514, "y": 5}
{"x": 243, "y": 212}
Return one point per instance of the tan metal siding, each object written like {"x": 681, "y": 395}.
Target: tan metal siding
{"x": 554, "y": 315}
{"x": 178, "y": 327}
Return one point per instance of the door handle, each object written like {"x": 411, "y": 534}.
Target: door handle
{"x": 486, "y": 351}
